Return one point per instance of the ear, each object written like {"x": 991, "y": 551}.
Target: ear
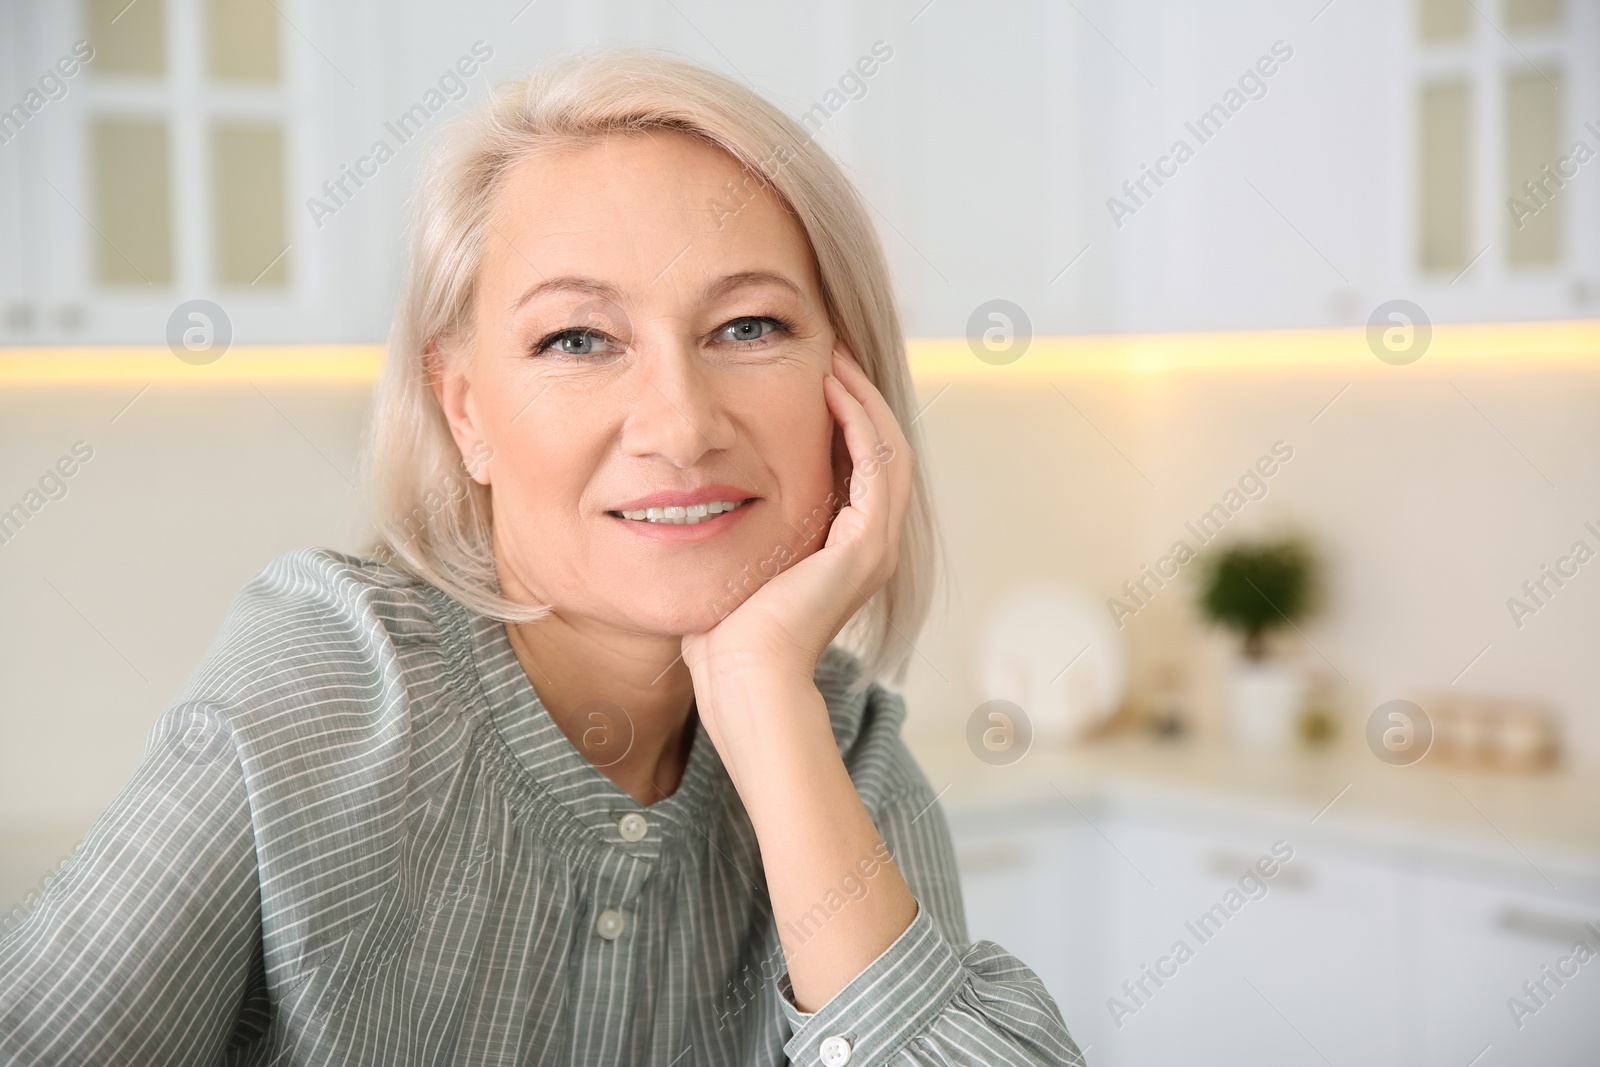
{"x": 452, "y": 388}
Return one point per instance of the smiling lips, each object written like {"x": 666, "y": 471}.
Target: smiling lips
{"x": 705, "y": 507}
{"x": 687, "y": 515}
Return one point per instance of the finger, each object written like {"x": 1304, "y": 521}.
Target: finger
{"x": 855, "y": 378}
{"x": 849, "y": 371}
{"x": 887, "y": 428}
{"x": 860, "y": 438}
{"x": 875, "y": 518}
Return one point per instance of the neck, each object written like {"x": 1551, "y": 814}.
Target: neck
{"x": 622, "y": 699}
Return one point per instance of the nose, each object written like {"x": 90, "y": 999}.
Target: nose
{"x": 677, "y": 414}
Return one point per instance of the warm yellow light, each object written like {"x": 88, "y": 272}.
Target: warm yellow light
{"x": 310, "y": 364}
{"x": 1457, "y": 345}
{"x": 940, "y": 359}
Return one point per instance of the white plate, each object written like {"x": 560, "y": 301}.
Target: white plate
{"x": 1052, "y": 650}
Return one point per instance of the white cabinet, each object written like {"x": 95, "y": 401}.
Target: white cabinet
{"x": 1027, "y": 889}
{"x": 1481, "y": 941}
{"x": 1161, "y": 941}
{"x": 1298, "y": 966}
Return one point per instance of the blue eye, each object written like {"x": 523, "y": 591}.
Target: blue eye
{"x": 747, "y": 330}
{"x": 578, "y": 343}
{"x": 583, "y": 343}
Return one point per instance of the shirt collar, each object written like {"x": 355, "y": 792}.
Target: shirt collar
{"x": 569, "y": 795}
{"x": 560, "y": 776}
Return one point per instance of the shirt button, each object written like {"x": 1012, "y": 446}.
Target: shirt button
{"x": 633, "y": 826}
{"x": 610, "y": 923}
{"x": 835, "y": 1051}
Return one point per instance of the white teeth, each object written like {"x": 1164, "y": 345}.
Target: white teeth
{"x": 688, "y": 515}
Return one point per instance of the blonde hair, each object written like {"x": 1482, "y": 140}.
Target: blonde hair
{"x": 434, "y": 521}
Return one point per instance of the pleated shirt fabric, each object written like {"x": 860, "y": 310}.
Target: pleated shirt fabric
{"x": 357, "y": 837}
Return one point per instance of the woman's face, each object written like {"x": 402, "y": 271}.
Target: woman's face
{"x": 649, "y": 333}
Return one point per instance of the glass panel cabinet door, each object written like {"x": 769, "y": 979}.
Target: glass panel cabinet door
{"x": 158, "y": 152}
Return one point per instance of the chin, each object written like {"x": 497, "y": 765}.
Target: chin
{"x": 676, "y": 621}
{"x": 684, "y": 608}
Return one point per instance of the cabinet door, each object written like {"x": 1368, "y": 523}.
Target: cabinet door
{"x": 1217, "y": 965}
{"x": 1348, "y": 955}
{"x": 1480, "y": 942}
{"x": 1028, "y": 888}
{"x": 176, "y": 164}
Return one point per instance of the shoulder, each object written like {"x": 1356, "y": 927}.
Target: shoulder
{"x": 307, "y": 610}
{"x": 327, "y": 577}
{"x": 328, "y": 587}
{"x": 867, "y": 718}
{"x": 318, "y": 678}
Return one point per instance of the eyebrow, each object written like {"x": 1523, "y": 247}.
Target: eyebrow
{"x": 595, "y": 287}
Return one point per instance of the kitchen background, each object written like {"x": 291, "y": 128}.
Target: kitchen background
{"x": 1372, "y": 269}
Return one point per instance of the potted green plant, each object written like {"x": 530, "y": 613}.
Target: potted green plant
{"x": 1254, "y": 589}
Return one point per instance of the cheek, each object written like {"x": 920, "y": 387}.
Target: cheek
{"x": 797, "y": 439}
{"x": 543, "y": 461}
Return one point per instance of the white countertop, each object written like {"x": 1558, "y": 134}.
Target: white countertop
{"x": 1547, "y": 820}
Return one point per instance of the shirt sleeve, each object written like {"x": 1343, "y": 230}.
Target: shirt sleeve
{"x": 931, "y": 998}
{"x": 145, "y": 947}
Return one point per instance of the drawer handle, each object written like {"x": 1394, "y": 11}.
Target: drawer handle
{"x": 1234, "y": 865}
{"x": 990, "y": 858}
{"x": 1546, "y": 927}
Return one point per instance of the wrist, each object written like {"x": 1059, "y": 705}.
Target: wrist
{"x": 775, "y": 740}
{"x": 727, "y": 668}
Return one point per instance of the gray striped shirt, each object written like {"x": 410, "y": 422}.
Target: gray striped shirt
{"x": 357, "y": 838}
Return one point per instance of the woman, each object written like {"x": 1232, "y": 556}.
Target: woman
{"x": 569, "y": 769}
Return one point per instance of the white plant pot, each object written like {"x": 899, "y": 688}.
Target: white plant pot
{"x": 1265, "y": 700}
